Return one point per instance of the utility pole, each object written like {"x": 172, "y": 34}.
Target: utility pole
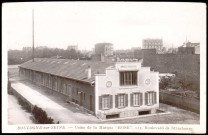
{"x": 186, "y": 40}
{"x": 33, "y": 34}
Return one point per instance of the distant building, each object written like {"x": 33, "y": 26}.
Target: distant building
{"x": 138, "y": 54}
{"x": 195, "y": 45}
{"x": 135, "y": 48}
{"x": 106, "y": 49}
{"x": 70, "y": 47}
{"x": 197, "y": 49}
{"x": 152, "y": 44}
{"x": 125, "y": 54}
{"x": 189, "y": 44}
{"x": 27, "y": 49}
{"x": 186, "y": 50}
{"x": 40, "y": 47}
{"x": 172, "y": 50}
{"x": 100, "y": 57}
{"x": 189, "y": 48}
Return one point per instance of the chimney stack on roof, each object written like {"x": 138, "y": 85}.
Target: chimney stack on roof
{"x": 89, "y": 72}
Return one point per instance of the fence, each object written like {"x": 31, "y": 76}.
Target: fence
{"x": 187, "y": 103}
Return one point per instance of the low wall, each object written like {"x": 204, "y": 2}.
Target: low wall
{"x": 16, "y": 94}
{"x": 187, "y": 103}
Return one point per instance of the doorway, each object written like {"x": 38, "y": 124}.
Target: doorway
{"x": 90, "y": 102}
{"x": 81, "y": 99}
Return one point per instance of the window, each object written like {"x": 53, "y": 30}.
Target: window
{"x": 60, "y": 86}
{"x": 128, "y": 78}
{"x": 54, "y": 83}
{"x": 150, "y": 98}
{"x": 84, "y": 96}
{"x": 41, "y": 76}
{"x": 77, "y": 92}
{"x": 73, "y": 90}
{"x": 64, "y": 89}
{"x": 49, "y": 81}
{"x": 69, "y": 89}
{"x": 136, "y": 99}
{"x": 105, "y": 102}
{"x": 121, "y": 100}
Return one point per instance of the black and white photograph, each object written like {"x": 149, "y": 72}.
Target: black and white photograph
{"x": 114, "y": 67}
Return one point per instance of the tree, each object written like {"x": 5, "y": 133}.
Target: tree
{"x": 164, "y": 83}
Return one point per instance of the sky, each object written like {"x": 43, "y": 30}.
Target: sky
{"x": 124, "y": 24}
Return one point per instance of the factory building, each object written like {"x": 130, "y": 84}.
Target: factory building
{"x": 106, "y": 89}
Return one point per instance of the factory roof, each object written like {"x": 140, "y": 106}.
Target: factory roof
{"x": 73, "y": 69}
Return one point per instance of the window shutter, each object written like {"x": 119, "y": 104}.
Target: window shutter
{"x": 140, "y": 99}
{"x": 111, "y": 101}
{"x": 126, "y": 100}
{"x": 100, "y": 102}
{"x": 146, "y": 98}
{"x": 131, "y": 99}
{"x": 116, "y": 101}
{"x": 155, "y": 97}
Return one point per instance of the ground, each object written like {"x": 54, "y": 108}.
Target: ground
{"x": 70, "y": 113}
{"x": 16, "y": 115}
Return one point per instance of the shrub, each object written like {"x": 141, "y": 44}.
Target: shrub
{"x": 25, "y": 105}
{"x": 41, "y": 116}
{"x": 164, "y": 83}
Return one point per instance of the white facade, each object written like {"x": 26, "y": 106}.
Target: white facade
{"x": 110, "y": 84}
{"x": 152, "y": 44}
{"x": 197, "y": 49}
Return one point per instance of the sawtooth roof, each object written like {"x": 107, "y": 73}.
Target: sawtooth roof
{"x": 73, "y": 69}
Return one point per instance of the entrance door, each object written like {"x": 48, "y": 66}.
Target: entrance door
{"x": 90, "y": 102}
{"x": 81, "y": 98}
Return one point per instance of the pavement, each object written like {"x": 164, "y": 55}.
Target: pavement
{"x": 16, "y": 115}
{"x": 54, "y": 106}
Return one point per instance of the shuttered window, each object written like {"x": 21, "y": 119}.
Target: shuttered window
{"x": 128, "y": 78}
{"x": 121, "y": 100}
{"x": 105, "y": 102}
{"x": 150, "y": 98}
{"x": 136, "y": 99}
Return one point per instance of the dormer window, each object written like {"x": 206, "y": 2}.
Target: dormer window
{"x": 128, "y": 78}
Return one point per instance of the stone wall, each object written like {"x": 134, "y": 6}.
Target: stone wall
{"x": 185, "y": 66}
{"x": 187, "y": 103}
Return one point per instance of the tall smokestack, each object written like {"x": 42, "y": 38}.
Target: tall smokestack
{"x": 33, "y": 34}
